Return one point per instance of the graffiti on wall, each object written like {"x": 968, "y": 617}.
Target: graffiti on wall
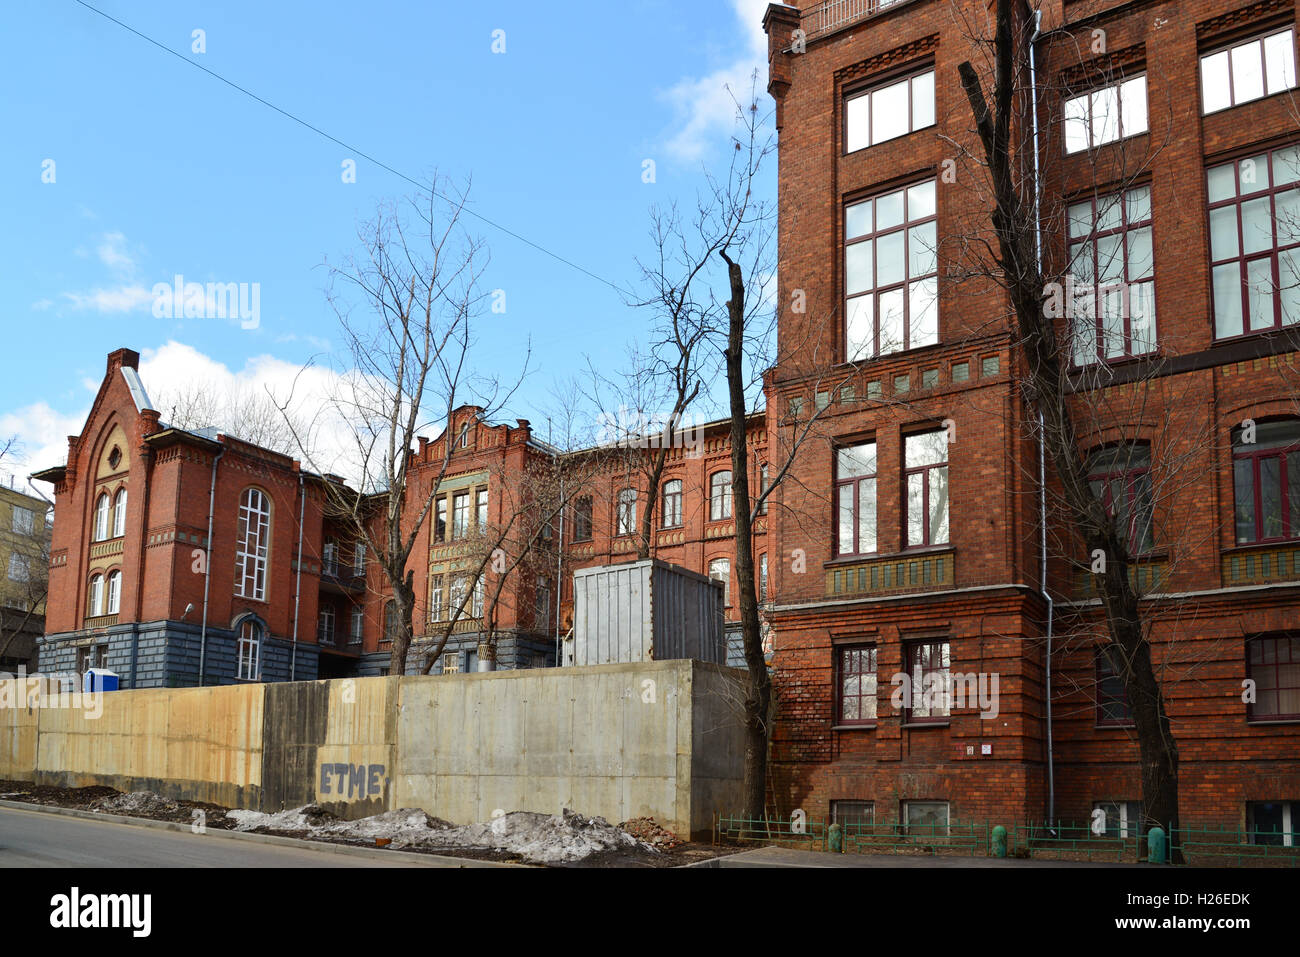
{"x": 350, "y": 782}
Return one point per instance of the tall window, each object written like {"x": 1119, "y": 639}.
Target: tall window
{"x": 762, "y": 577}
{"x": 542, "y": 603}
{"x": 24, "y": 520}
{"x": 1120, "y": 477}
{"x": 762, "y": 487}
{"x": 1266, "y": 482}
{"x": 358, "y": 625}
{"x": 325, "y": 625}
{"x": 101, "y": 517}
{"x": 1273, "y": 663}
{"x": 1247, "y": 71}
{"x": 720, "y": 496}
{"x": 455, "y": 596}
{"x": 1112, "y": 696}
{"x": 627, "y": 512}
{"x": 476, "y": 601}
{"x": 20, "y": 567}
{"x": 330, "y": 558}
{"x": 928, "y": 663}
{"x": 359, "y": 558}
{"x": 1113, "y": 112}
{"x": 1113, "y": 306}
{"x": 720, "y": 570}
{"x": 252, "y": 539}
{"x": 925, "y": 457}
{"x": 463, "y": 439}
{"x": 119, "y": 513}
{"x": 95, "y": 598}
{"x": 440, "y": 525}
{"x": 582, "y": 519}
{"x": 248, "y": 650}
{"x": 855, "y": 499}
{"x": 460, "y": 515}
{"x": 888, "y": 111}
{"x": 856, "y": 684}
{"x": 114, "y": 593}
{"x": 436, "y": 611}
{"x": 481, "y": 509}
{"x": 391, "y": 622}
{"x": 672, "y": 509}
{"x": 1255, "y": 242}
{"x": 891, "y": 273}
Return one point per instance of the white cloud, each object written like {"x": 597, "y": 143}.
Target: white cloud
{"x": 112, "y": 253}
{"x": 120, "y": 299}
{"x": 705, "y": 109}
{"x": 42, "y": 442}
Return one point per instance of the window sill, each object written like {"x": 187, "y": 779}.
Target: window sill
{"x": 927, "y": 724}
{"x": 1128, "y": 726}
{"x": 1266, "y": 722}
{"x": 854, "y": 727}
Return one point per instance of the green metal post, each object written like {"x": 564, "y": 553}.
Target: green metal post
{"x": 1157, "y": 848}
{"x": 835, "y": 839}
{"x": 999, "y": 841}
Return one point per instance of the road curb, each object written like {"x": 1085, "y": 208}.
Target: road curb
{"x": 349, "y": 849}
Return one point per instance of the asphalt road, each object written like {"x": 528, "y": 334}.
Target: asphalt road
{"x": 40, "y": 839}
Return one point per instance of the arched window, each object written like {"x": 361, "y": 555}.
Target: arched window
{"x": 1266, "y": 481}
{"x": 720, "y": 496}
{"x": 252, "y": 538}
{"x": 627, "y": 512}
{"x": 114, "y": 592}
{"x": 101, "y": 517}
{"x": 582, "y": 519}
{"x": 1120, "y": 477}
{"x": 95, "y": 601}
{"x": 248, "y": 650}
{"x": 119, "y": 513}
{"x": 672, "y": 511}
{"x": 720, "y": 570}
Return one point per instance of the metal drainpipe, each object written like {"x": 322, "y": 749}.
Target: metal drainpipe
{"x": 1042, "y": 452}
{"x": 297, "y": 583}
{"x": 207, "y": 570}
{"x": 559, "y": 573}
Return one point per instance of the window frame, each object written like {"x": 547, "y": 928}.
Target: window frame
{"x": 325, "y": 615}
{"x": 481, "y": 509}
{"x": 625, "y": 513}
{"x": 258, "y": 557}
{"x": 873, "y": 292}
{"x": 912, "y": 649}
{"x": 357, "y": 626}
{"x": 582, "y": 519}
{"x": 101, "y": 517}
{"x": 25, "y": 527}
{"x": 924, "y": 471}
{"x": 95, "y": 595}
{"x": 670, "y": 513}
{"x": 460, "y": 515}
{"x": 1089, "y": 119}
{"x": 876, "y": 86}
{"x": 22, "y": 564}
{"x": 1243, "y": 260}
{"x": 1103, "y": 672}
{"x": 119, "y": 513}
{"x": 1253, "y": 716}
{"x": 1129, "y": 474}
{"x": 872, "y": 670}
{"x": 720, "y": 496}
{"x": 725, "y": 561}
{"x": 113, "y": 592}
{"x": 1091, "y": 241}
{"x": 248, "y": 651}
{"x": 1290, "y": 511}
{"x": 436, "y": 608}
{"x": 1228, "y": 49}
{"x": 905, "y": 818}
{"x": 855, "y": 482}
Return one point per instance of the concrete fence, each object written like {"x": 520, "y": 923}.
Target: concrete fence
{"x": 656, "y": 739}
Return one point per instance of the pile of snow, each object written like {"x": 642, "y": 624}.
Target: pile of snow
{"x": 538, "y": 838}
{"x": 137, "y": 802}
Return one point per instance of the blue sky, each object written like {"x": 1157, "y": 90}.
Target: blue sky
{"x": 159, "y": 170}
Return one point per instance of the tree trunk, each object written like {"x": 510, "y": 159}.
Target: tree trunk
{"x": 404, "y": 596}
{"x": 758, "y": 696}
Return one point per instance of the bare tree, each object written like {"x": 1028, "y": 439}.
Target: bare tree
{"x": 408, "y": 336}
{"x": 243, "y": 412}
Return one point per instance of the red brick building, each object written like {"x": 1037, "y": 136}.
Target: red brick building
{"x": 910, "y": 538}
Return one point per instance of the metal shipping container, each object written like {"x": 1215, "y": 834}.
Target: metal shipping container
{"x": 645, "y": 611}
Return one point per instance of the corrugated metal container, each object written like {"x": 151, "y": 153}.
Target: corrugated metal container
{"x": 645, "y": 611}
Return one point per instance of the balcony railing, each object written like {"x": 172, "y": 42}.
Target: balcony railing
{"x": 833, "y": 14}
{"x": 1260, "y": 566}
{"x": 933, "y": 569}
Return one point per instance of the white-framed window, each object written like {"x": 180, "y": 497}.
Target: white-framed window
{"x": 330, "y": 558}
{"x": 455, "y": 595}
{"x": 891, "y": 272}
{"x": 671, "y": 513}
{"x": 1276, "y": 823}
{"x": 481, "y": 509}
{"x": 762, "y": 487}
{"x": 451, "y": 663}
{"x": 720, "y": 496}
{"x": 476, "y": 602}
{"x": 359, "y": 558}
{"x": 95, "y": 597}
{"x": 114, "y": 592}
{"x": 460, "y": 515}
{"x": 119, "y": 513}
{"x": 1255, "y": 68}
{"x": 1113, "y": 308}
{"x": 925, "y": 818}
{"x": 627, "y": 512}
{"x": 762, "y": 577}
{"x": 325, "y": 625}
{"x": 252, "y": 540}
{"x": 24, "y": 520}
{"x": 248, "y": 651}
{"x": 358, "y": 625}
{"x": 720, "y": 570}
{"x": 1117, "y": 819}
{"x": 101, "y": 517}
{"x": 888, "y": 110}
{"x": 436, "y": 611}
{"x": 1112, "y": 112}
{"x": 20, "y": 568}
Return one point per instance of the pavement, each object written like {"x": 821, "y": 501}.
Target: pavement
{"x": 65, "y": 837}
{"x": 791, "y": 857}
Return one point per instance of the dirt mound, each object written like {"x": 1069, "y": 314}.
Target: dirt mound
{"x": 145, "y": 803}
{"x": 650, "y": 831}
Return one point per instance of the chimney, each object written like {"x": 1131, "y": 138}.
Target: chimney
{"x": 123, "y": 358}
